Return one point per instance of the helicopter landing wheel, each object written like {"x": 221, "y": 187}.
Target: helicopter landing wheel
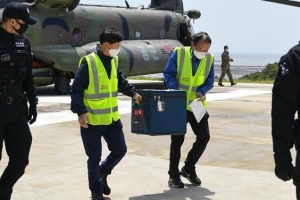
{"x": 62, "y": 85}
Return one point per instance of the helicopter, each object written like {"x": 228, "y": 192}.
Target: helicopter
{"x": 290, "y": 3}
{"x": 67, "y": 30}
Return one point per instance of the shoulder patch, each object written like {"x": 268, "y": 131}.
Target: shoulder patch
{"x": 284, "y": 68}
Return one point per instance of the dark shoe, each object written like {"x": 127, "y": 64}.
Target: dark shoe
{"x": 232, "y": 84}
{"x": 175, "y": 181}
{"x": 106, "y": 188}
{"x": 220, "y": 84}
{"x": 97, "y": 196}
{"x": 191, "y": 176}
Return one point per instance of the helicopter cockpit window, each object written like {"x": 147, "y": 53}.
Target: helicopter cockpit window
{"x": 137, "y": 34}
{"x": 77, "y": 35}
{"x": 165, "y": 4}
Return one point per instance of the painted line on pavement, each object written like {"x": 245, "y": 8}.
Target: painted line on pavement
{"x": 234, "y": 94}
{"x": 67, "y": 115}
{"x": 124, "y": 106}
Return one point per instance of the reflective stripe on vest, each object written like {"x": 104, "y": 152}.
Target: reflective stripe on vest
{"x": 100, "y": 98}
{"x": 186, "y": 81}
{"x": 102, "y": 111}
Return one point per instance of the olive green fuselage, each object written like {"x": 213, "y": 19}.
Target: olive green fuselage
{"x": 60, "y": 38}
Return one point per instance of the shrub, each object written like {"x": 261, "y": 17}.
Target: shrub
{"x": 267, "y": 74}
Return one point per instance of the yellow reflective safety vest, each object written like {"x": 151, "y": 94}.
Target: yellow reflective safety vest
{"x": 185, "y": 79}
{"x": 100, "y": 98}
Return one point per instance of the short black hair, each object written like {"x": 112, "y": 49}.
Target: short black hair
{"x": 111, "y": 35}
{"x": 226, "y": 47}
{"x": 201, "y": 36}
{"x": 5, "y": 19}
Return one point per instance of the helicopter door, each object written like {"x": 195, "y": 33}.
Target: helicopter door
{"x": 183, "y": 31}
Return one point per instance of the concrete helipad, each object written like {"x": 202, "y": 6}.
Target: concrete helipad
{"x": 237, "y": 164}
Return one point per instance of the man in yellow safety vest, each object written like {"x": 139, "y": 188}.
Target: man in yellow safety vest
{"x": 190, "y": 69}
{"x": 94, "y": 98}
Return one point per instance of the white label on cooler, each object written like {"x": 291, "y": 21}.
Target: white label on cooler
{"x": 159, "y": 106}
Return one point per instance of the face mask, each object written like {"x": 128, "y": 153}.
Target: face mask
{"x": 199, "y": 54}
{"x": 114, "y": 52}
{"x": 226, "y": 50}
{"x": 23, "y": 28}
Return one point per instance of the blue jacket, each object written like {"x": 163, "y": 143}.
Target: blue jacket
{"x": 171, "y": 71}
{"x": 81, "y": 82}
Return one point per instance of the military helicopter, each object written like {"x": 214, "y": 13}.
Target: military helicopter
{"x": 286, "y": 2}
{"x": 67, "y": 30}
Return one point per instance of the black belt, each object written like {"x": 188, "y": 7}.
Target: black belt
{"x": 10, "y": 99}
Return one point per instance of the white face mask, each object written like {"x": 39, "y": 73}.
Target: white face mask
{"x": 226, "y": 50}
{"x": 114, "y": 52}
{"x": 199, "y": 54}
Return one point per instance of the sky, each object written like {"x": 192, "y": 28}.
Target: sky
{"x": 246, "y": 26}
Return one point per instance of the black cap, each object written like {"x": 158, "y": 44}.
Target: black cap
{"x": 18, "y": 11}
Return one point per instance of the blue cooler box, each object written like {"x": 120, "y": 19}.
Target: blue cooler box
{"x": 162, "y": 112}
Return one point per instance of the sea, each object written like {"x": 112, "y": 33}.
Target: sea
{"x": 243, "y": 64}
{"x": 250, "y": 59}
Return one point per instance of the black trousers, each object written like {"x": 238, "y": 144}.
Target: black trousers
{"x": 14, "y": 131}
{"x": 201, "y": 131}
{"x": 296, "y": 176}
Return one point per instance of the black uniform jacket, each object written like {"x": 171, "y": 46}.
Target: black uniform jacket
{"x": 285, "y": 100}
{"x": 28, "y": 85}
{"x": 81, "y": 82}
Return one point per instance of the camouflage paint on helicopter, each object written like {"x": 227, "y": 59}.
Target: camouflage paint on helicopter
{"x": 66, "y": 31}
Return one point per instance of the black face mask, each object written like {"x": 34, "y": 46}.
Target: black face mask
{"x": 23, "y": 28}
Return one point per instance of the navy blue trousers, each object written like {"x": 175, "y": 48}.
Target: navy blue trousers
{"x": 91, "y": 137}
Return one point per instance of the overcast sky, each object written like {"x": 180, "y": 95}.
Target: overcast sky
{"x": 246, "y": 26}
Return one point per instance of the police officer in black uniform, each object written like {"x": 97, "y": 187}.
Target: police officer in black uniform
{"x": 16, "y": 78}
{"x": 285, "y": 103}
